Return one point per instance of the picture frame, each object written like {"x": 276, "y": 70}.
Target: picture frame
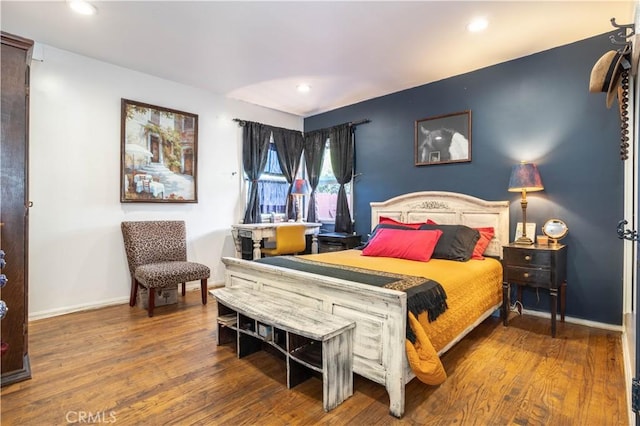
{"x": 158, "y": 154}
{"x": 443, "y": 139}
{"x": 531, "y": 230}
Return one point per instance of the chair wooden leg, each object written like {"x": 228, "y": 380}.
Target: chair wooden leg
{"x": 184, "y": 288}
{"x": 203, "y": 290}
{"x": 152, "y": 301}
{"x": 134, "y": 292}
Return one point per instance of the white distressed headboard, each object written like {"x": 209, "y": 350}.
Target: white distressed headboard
{"x": 448, "y": 208}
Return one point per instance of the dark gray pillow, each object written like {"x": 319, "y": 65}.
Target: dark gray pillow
{"x": 456, "y": 242}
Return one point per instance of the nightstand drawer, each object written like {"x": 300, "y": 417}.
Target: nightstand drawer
{"x": 327, "y": 247}
{"x": 524, "y": 257}
{"x": 537, "y": 277}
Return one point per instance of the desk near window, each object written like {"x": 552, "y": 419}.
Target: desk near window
{"x": 258, "y": 231}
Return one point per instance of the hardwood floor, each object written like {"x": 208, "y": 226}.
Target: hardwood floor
{"x": 116, "y": 365}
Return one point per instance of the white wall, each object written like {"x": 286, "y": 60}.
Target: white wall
{"x": 76, "y": 254}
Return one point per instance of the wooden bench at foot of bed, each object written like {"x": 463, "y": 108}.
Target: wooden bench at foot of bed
{"x": 311, "y": 340}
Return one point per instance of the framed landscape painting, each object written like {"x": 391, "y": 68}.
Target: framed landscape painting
{"x": 158, "y": 150}
{"x": 443, "y": 139}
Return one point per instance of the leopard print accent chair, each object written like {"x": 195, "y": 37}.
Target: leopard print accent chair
{"x": 157, "y": 256}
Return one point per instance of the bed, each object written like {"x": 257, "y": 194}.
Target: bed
{"x": 380, "y": 314}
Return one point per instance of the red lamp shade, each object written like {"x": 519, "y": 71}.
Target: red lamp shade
{"x": 300, "y": 187}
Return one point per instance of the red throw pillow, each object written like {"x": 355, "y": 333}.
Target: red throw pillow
{"x": 486, "y": 235}
{"x": 430, "y": 222}
{"x": 388, "y": 220}
{"x": 403, "y": 244}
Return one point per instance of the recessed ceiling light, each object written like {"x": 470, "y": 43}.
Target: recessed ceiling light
{"x": 82, "y": 7}
{"x": 303, "y": 88}
{"x": 477, "y": 24}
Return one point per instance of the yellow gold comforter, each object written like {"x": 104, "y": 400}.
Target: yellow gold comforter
{"x": 472, "y": 288}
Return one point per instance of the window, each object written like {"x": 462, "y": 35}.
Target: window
{"x": 188, "y": 123}
{"x": 327, "y": 191}
{"x": 272, "y": 186}
{"x": 184, "y": 124}
{"x": 155, "y": 116}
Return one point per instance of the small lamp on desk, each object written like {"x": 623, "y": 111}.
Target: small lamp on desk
{"x": 300, "y": 188}
{"x": 525, "y": 177}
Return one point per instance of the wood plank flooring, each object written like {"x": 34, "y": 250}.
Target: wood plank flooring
{"x": 115, "y": 365}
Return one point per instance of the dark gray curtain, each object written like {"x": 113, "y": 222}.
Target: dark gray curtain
{"x": 289, "y": 145}
{"x": 255, "y": 147}
{"x": 314, "y": 144}
{"x": 341, "y": 150}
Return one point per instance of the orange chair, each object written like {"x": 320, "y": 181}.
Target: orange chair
{"x": 290, "y": 239}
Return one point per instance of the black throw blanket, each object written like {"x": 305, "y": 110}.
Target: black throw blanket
{"x": 423, "y": 294}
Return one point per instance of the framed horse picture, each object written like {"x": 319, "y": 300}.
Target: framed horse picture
{"x": 158, "y": 149}
{"x": 443, "y": 139}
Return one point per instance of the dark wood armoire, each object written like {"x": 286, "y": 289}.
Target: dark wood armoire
{"x": 14, "y": 206}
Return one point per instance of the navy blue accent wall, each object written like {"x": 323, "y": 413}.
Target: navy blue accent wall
{"x": 537, "y": 108}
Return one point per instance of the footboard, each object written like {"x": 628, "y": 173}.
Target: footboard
{"x": 380, "y": 316}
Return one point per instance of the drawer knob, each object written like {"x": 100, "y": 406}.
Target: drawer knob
{"x": 527, "y": 258}
{"x": 526, "y": 275}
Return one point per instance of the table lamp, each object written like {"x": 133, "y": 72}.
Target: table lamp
{"x": 300, "y": 188}
{"x": 525, "y": 177}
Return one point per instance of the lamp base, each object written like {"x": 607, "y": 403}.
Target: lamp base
{"x": 524, "y": 241}
{"x": 298, "y": 210}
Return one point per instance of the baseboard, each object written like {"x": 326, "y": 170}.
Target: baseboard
{"x": 19, "y": 375}
{"x": 33, "y": 316}
{"x": 195, "y": 286}
{"x": 580, "y": 321}
{"x": 628, "y": 374}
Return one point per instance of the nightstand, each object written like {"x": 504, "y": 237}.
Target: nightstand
{"x": 336, "y": 241}
{"x": 539, "y": 267}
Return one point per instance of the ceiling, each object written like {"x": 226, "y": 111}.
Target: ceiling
{"x": 350, "y": 51}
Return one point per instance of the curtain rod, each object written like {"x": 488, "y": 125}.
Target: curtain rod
{"x": 243, "y": 122}
{"x": 363, "y": 121}
{"x": 351, "y": 123}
